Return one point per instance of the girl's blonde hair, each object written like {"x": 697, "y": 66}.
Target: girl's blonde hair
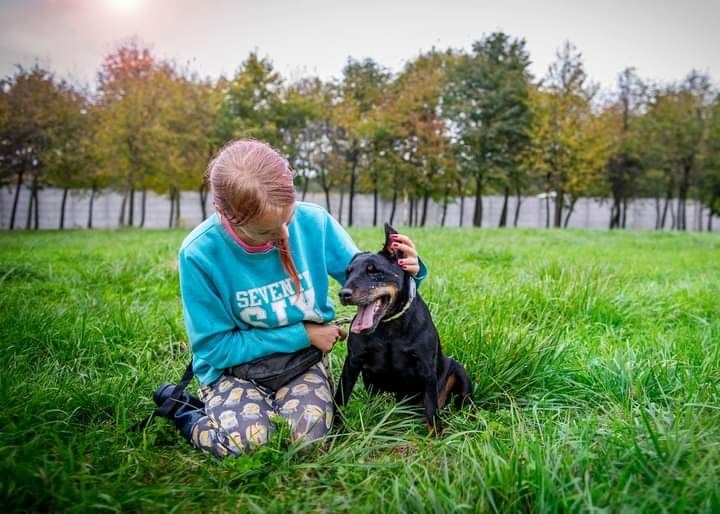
{"x": 249, "y": 178}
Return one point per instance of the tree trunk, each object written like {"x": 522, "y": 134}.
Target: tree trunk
{"x": 623, "y": 219}
{"x": 62, "y": 208}
{"x": 518, "y": 199}
{"x": 709, "y": 223}
{"x": 699, "y": 209}
{"x": 351, "y": 195}
{"x": 306, "y": 184}
{"x": 663, "y": 218}
{"x": 614, "y": 214}
{"x": 143, "y": 207}
{"x": 15, "y": 200}
{"x": 426, "y": 200}
{"x": 673, "y": 219}
{"x": 477, "y": 215}
{"x": 411, "y": 211}
{"x": 327, "y": 199}
{"x": 547, "y": 210}
{"x": 679, "y": 209}
{"x": 203, "y": 200}
{"x": 375, "y": 206}
{"x": 28, "y": 222}
{"x": 172, "y": 207}
{"x": 90, "y": 207}
{"x": 340, "y": 209}
{"x": 445, "y": 206}
{"x": 683, "y": 195}
{"x": 393, "y": 207}
{"x": 461, "y": 194}
{"x": 28, "y": 219}
{"x": 121, "y": 219}
{"x": 559, "y": 200}
{"x": 37, "y": 208}
{"x": 571, "y": 209}
{"x": 131, "y": 209}
{"x": 178, "y": 197}
{"x": 503, "y": 212}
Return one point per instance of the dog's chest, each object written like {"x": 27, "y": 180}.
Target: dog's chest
{"x": 391, "y": 365}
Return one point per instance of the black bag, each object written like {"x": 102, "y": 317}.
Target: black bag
{"x": 275, "y": 370}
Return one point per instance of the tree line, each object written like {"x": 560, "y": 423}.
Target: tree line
{"x": 451, "y": 124}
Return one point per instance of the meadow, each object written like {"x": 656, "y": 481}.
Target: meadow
{"x": 595, "y": 358}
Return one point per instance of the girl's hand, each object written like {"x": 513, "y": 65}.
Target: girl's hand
{"x": 405, "y": 245}
{"x": 324, "y": 337}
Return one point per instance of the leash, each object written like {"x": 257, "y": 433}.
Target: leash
{"x": 343, "y": 321}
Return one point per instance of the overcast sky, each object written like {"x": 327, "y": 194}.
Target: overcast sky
{"x": 664, "y": 40}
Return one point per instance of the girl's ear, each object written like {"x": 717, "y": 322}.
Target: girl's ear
{"x": 387, "y": 250}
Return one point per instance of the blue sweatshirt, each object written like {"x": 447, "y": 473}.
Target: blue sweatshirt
{"x": 240, "y": 305}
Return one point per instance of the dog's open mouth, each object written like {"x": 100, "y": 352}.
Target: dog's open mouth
{"x": 369, "y": 315}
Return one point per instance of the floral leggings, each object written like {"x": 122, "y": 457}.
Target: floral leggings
{"x": 238, "y": 412}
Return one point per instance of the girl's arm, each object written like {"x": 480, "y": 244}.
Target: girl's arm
{"x": 213, "y": 333}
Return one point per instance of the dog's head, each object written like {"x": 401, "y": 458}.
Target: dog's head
{"x": 374, "y": 283}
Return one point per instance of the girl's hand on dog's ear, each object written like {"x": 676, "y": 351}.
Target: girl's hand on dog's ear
{"x": 404, "y": 244}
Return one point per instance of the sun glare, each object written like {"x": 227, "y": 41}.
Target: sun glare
{"x": 123, "y": 5}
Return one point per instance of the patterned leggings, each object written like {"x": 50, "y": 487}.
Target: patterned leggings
{"x": 238, "y": 413}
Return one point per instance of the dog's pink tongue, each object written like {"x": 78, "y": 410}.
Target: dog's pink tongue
{"x": 364, "y": 318}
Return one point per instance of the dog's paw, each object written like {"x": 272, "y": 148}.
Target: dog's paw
{"x": 435, "y": 429}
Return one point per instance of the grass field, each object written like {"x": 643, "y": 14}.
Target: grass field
{"x": 595, "y": 358}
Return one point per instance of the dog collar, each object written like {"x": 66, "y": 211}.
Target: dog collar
{"x": 411, "y": 297}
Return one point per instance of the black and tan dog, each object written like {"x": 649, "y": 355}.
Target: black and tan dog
{"x": 393, "y": 341}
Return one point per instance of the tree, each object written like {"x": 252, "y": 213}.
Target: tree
{"x": 187, "y": 118}
{"x": 27, "y": 119}
{"x": 250, "y": 102}
{"x": 624, "y": 167}
{"x": 710, "y": 179}
{"x": 415, "y": 127}
{"x": 674, "y": 129}
{"x": 70, "y": 153}
{"x": 301, "y": 117}
{"x": 130, "y": 86}
{"x": 597, "y": 138}
{"x": 562, "y": 111}
{"x": 487, "y": 105}
{"x": 360, "y": 94}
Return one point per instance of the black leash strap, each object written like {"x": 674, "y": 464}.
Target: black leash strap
{"x": 169, "y": 406}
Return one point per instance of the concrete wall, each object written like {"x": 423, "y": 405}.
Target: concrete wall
{"x": 589, "y": 212}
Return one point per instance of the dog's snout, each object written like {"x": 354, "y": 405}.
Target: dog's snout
{"x": 345, "y": 294}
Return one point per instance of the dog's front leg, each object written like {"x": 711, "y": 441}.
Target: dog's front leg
{"x": 430, "y": 400}
{"x": 350, "y": 372}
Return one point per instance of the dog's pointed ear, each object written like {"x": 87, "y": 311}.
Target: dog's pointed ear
{"x": 387, "y": 251}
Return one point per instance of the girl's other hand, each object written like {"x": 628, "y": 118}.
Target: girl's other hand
{"x": 404, "y": 244}
{"x": 324, "y": 337}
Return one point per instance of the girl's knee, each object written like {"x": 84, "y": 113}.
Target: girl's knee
{"x": 312, "y": 422}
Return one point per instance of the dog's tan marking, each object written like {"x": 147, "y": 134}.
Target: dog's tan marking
{"x": 449, "y": 384}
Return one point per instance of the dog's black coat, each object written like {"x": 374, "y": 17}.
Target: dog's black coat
{"x": 398, "y": 354}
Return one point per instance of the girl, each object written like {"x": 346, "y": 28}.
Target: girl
{"x": 254, "y": 281}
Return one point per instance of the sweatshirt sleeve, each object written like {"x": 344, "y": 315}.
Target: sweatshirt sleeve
{"x": 339, "y": 249}
{"x": 214, "y": 336}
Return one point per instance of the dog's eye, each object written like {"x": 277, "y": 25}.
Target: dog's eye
{"x": 372, "y": 269}
{"x": 349, "y": 270}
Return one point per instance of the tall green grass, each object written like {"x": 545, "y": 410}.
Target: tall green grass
{"x": 595, "y": 358}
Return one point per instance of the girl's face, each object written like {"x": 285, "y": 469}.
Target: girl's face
{"x": 272, "y": 225}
